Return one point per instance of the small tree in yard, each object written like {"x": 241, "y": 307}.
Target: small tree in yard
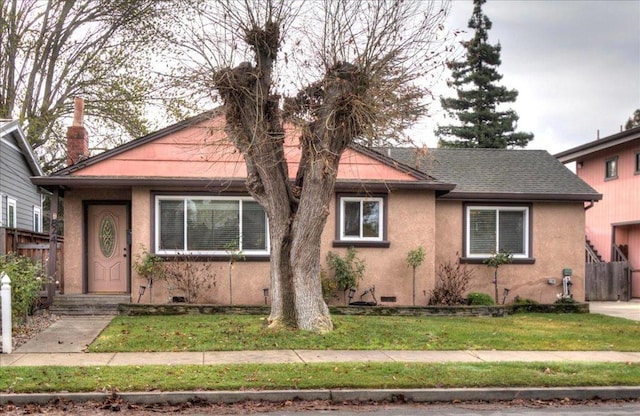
{"x": 495, "y": 261}
{"x": 451, "y": 284}
{"x": 415, "y": 258}
{"x": 351, "y": 70}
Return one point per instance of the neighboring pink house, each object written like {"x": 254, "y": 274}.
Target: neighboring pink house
{"x": 611, "y": 165}
{"x": 180, "y": 191}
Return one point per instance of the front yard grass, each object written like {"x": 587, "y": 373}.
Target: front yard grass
{"x": 316, "y": 376}
{"x": 524, "y": 332}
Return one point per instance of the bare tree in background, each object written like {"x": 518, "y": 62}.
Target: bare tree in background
{"x": 359, "y": 69}
{"x": 53, "y": 50}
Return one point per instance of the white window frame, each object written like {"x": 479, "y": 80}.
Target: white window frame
{"x": 379, "y": 200}
{"x": 185, "y": 199}
{"x": 526, "y": 229}
{"x": 11, "y": 202}
{"x": 37, "y": 219}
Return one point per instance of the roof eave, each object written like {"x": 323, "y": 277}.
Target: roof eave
{"x": 230, "y": 184}
{"x": 520, "y": 197}
{"x": 13, "y": 127}
{"x": 574, "y": 154}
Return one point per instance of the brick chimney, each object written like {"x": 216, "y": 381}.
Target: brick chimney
{"x": 77, "y": 137}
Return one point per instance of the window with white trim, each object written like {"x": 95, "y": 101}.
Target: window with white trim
{"x": 490, "y": 229}
{"x": 210, "y": 225}
{"x": 12, "y": 213}
{"x": 37, "y": 219}
{"x": 361, "y": 219}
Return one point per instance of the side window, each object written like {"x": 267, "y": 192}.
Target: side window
{"x": 490, "y": 229}
{"x": 637, "y": 162}
{"x": 37, "y": 219}
{"x": 12, "y": 213}
{"x": 611, "y": 168}
{"x": 361, "y": 219}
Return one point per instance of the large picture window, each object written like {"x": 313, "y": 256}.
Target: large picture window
{"x": 491, "y": 229}
{"x": 210, "y": 225}
{"x": 361, "y": 219}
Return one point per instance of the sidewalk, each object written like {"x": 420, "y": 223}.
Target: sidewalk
{"x": 306, "y": 357}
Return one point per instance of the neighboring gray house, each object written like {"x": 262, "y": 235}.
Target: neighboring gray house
{"x": 20, "y": 200}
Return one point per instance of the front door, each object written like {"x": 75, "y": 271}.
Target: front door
{"x": 107, "y": 249}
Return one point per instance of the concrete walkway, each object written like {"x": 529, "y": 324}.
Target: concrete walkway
{"x": 307, "y": 356}
{"x": 627, "y": 310}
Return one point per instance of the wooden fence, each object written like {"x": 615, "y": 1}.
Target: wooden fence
{"x": 32, "y": 244}
{"x": 608, "y": 281}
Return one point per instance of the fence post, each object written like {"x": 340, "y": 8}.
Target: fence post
{"x": 5, "y": 301}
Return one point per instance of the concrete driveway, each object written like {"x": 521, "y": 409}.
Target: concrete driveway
{"x": 628, "y": 310}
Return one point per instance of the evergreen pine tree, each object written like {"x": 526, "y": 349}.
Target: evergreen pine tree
{"x": 478, "y": 95}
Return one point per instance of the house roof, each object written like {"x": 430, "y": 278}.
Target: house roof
{"x": 8, "y": 127}
{"x": 576, "y": 153}
{"x": 129, "y": 165}
{"x": 499, "y": 174}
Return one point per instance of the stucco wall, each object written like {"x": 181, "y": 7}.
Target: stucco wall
{"x": 412, "y": 220}
{"x": 247, "y": 278}
{"x": 557, "y": 243}
{"x": 411, "y": 223}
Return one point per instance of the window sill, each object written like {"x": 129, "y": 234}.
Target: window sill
{"x": 213, "y": 258}
{"x": 475, "y": 260}
{"x": 355, "y": 243}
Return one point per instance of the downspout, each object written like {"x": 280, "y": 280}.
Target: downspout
{"x": 591, "y": 204}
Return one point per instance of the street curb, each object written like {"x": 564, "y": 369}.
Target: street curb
{"x": 338, "y": 395}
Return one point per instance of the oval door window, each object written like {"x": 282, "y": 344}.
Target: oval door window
{"x": 107, "y": 236}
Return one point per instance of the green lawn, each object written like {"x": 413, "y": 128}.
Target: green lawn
{"x": 316, "y": 376}
{"x": 544, "y": 332}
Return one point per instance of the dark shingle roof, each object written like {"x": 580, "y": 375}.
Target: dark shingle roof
{"x": 498, "y": 173}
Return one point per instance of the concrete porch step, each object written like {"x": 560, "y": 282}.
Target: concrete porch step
{"x": 90, "y": 304}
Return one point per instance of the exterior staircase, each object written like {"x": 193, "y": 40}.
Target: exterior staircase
{"x": 591, "y": 254}
{"x": 84, "y": 305}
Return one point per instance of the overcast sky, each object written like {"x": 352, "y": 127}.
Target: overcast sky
{"x": 575, "y": 64}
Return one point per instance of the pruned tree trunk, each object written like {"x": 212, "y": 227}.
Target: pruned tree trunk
{"x": 365, "y": 92}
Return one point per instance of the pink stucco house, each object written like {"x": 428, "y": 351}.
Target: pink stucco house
{"x": 611, "y": 165}
{"x": 180, "y": 191}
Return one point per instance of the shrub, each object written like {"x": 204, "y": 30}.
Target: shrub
{"x": 148, "y": 265}
{"x": 451, "y": 282}
{"x": 192, "y": 278}
{"x": 524, "y": 301}
{"x": 565, "y": 301}
{"x": 348, "y": 270}
{"x": 27, "y": 280}
{"x": 476, "y": 298}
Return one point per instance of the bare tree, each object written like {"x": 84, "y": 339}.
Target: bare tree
{"x": 359, "y": 68}
{"x": 53, "y": 50}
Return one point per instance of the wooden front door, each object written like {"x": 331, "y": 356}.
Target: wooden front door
{"x": 107, "y": 249}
